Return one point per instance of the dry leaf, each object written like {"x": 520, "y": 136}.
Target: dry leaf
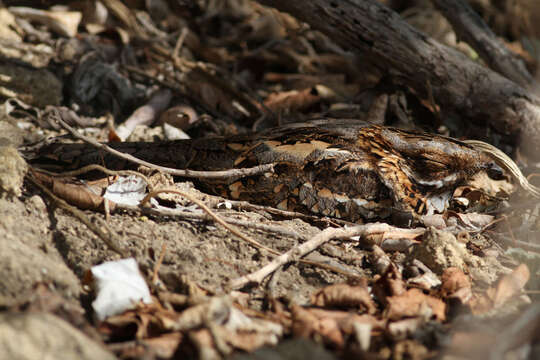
{"x": 456, "y": 284}
{"x": 164, "y": 346}
{"x": 297, "y": 100}
{"x": 344, "y": 295}
{"x": 403, "y": 328}
{"x": 415, "y": 303}
{"x": 78, "y": 195}
{"x": 307, "y": 325}
{"x": 389, "y": 284}
{"x": 511, "y": 285}
{"x": 180, "y": 116}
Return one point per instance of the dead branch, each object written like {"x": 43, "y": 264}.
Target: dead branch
{"x": 223, "y": 221}
{"x": 303, "y": 249}
{"x": 471, "y": 28}
{"x": 232, "y": 173}
{"x": 213, "y": 215}
{"x": 459, "y": 85}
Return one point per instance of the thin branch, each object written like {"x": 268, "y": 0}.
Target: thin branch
{"x": 222, "y": 174}
{"x": 223, "y": 221}
{"x": 162, "y": 211}
{"x": 244, "y": 205}
{"x": 96, "y": 167}
{"x": 212, "y": 214}
{"x": 108, "y": 236}
{"x": 303, "y": 249}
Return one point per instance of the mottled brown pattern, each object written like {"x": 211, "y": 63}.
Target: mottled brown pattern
{"x": 348, "y": 169}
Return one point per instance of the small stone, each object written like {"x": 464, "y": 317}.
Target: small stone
{"x": 12, "y": 171}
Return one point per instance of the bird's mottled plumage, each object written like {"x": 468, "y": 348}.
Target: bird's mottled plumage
{"x": 341, "y": 168}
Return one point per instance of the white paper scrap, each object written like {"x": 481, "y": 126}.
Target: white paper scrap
{"x": 128, "y": 190}
{"x": 120, "y": 287}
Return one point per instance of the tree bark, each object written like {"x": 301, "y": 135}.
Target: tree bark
{"x": 458, "y": 84}
{"x": 472, "y": 29}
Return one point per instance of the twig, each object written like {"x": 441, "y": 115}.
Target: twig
{"x": 108, "y": 236}
{"x": 179, "y": 43}
{"x": 528, "y": 246}
{"x": 95, "y": 167}
{"x": 260, "y": 169}
{"x": 301, "y": 250}
{"x": 212, "y": 214}
{"x": 244, "y": 205}
{"x": 162, "y": 211}
{"x": 235, "y": 231}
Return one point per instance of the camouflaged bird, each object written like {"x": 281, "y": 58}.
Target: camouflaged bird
{"x": 346, "y": 169}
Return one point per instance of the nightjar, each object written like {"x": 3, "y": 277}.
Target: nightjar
{"x": 348, "y": 169}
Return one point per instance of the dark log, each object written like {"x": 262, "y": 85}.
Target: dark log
{"x": 458, "y": 84}
{"x": 470, "y": 28}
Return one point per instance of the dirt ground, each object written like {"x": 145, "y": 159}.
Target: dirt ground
{"x": 43, "y": 244}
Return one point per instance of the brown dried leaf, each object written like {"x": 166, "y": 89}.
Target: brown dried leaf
{"x": 456, "y": 284}
{"x": 247, "y": 333}
{"x": 332, "y": 326}
{"x": 307, "y": 325}
{"x": 296, "y": 100}
{"x": 511, "y": 285}
{"x": 163, "y": 346}
{"x": 344, "y": 318}
{"x": 146, "y": 321}
{"x": 248, "y": 341}
{"x": 180, "y": 116}
{"x": 390, "y": 284}
{"x": 204, "y": 342}
{"x": 410, "y": 349}
{"x": 344, "y": 295}
{"x": 75, "y": 194}
{"x": 481, "y": 303}
{"x": 472, "y": 221}
{"x": 402, "y": 328}
{"x": 415, "y": 303}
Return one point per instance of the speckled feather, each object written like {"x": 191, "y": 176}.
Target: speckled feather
{"x": 341, "y": 168}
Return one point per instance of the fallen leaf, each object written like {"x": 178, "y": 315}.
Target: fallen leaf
{"x": 297, "y": 100}
{"x": 456, "y": 284}
{"x": 307, "y": 325}
{"x": 511, "y": 284}
{"x": 344, "y": 295}
{"x": 415, "y": 303}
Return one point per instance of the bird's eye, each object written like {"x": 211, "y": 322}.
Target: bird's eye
{"x": 495, "y": 172}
